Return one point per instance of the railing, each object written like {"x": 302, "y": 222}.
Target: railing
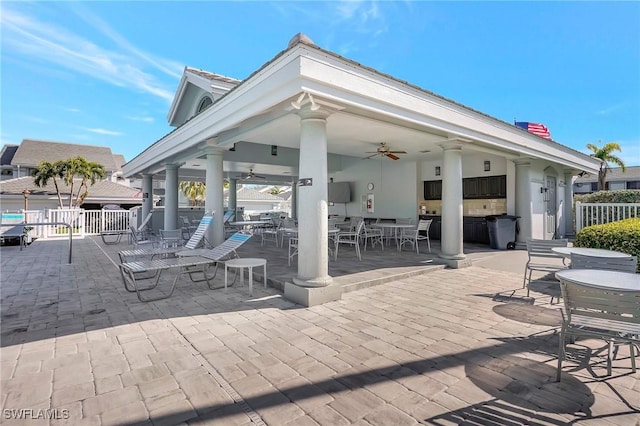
{"x": 81, "y": 222}
{"x": 588, "y": 214}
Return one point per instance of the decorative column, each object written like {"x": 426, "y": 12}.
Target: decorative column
{"x": 147, "y": 194}
{"x": 233, "y": 195}
{"x": 524, "y": 207}
{"x": 294, "y": 200}
{"x": 451, "y": 240}
{"x": 568, "y": 203}
{"x": 214, "y": 201}
{"x": 313, "y": 257}
{"x": 171, "y": 197}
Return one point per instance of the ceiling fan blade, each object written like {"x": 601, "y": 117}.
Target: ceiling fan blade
{"x": 392, "y": 156}
{"x": 398, "y": 152}
{"x": 370, "y": 156}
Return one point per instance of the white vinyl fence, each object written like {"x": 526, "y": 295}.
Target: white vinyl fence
{"x": 83, "y": 222}
{"x": 588, "y": 214}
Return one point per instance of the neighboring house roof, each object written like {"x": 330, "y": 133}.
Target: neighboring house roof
{"x": 615, "y": 174}
{"x": 31, "y": 152}
{"x": 251, "y": 194}
{"x": 8, "y": 151}
{"x": 100, "y": 190}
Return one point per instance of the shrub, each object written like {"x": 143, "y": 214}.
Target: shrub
{"x": 623, "y": 235}
{"x": 617, "y": 196}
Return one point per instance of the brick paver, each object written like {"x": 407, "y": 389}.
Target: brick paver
{"x": 432, "y": 348}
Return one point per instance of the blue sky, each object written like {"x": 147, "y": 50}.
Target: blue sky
{"x": 104, "y": 73}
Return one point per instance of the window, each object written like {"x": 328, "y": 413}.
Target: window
{"x": 205, "y": 103}
{"x": 633, "y": 184}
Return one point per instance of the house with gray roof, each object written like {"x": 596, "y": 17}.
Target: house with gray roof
{"x": 616, "y": 179}
{"x": 102, "y": 193}
{"x": 21, "y": 160}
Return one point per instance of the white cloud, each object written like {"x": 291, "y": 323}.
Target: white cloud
{"x": 629, "y": 152}
{"x": 611, "y": 109}
{"x": 71, "y": 109}
{"x": 41, "y": 41}
{"x": 143, "y": 119}
{"x": 102, "y": 131}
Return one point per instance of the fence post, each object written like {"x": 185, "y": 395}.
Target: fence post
{"x": 578, "y": 216}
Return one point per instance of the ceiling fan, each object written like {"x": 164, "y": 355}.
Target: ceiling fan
{"x": 252, "y": 175}
{"x": 384, "y": 151}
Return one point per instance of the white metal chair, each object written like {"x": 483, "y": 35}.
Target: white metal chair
{"x": 622, "y": 264}
{"x": 373, "y": 235}
{"x": 292, "y": 250}
{"x": 542, "y": 258}
{"x": 171, "y": 237}
{"x": 270, "y": 232}
{"x": 609, "y": 314}
{"x": 350, "y": 238}
{"x": 414, "y": 236}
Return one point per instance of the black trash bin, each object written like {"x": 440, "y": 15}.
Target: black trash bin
{"x": 502, "y": 231}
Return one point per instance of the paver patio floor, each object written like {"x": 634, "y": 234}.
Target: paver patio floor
{"x": 436, "y": 348}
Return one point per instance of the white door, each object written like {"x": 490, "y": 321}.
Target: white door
{"x": 551, "y": 209}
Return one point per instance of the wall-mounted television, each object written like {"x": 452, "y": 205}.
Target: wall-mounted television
{"x": 339, "y": 192}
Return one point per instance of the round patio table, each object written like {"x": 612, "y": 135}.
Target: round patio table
{"x": 601, "y": 278}
{"x": 585, "y": 251}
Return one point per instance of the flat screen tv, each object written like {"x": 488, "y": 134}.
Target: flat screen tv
{"x": 339, "y": 192}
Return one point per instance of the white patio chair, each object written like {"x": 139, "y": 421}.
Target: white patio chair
{"x": 373, "y": 235}
{"x": 292, "y": 250}
{"x": 414, "y": 236}
{"x": 604, "y": 313}
{"x": 171, "y": 237}
{"x": 542, "y": 258}
{"x": 622, "y": 264}
{"x": 270, "y": 232}
{"x": 350, "y": 238}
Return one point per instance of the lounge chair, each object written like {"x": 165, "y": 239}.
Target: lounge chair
{"x": 191, "y": 262}
{"x": 194, "y": 241}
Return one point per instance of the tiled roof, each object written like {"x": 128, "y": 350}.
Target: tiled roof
{"x": 615, "y": 174}
{"x": 101, "y": 189}
{"x": 31, "y": 152}
{"x": 8, "y": 151}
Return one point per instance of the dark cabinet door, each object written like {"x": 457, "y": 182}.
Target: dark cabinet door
{"x": 470, "y": 188}
{"x": 484, "y": 187}
{"x": 433, "y": 190}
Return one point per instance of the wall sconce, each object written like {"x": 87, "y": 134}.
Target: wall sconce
{"x": 545, "y": 193}
{"x": 437, "y": 170}
{"x": 487, "y": 166}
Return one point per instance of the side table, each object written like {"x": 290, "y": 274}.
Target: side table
{"x": 249, "y": 263}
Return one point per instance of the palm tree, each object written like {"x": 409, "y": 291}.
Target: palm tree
{"x": 89, "y": 171}
{"x": 67, "y": 170}
{"x": 194, "y": 191}
{"x": 604, "y": 154}
{"x": 47, "y": 171}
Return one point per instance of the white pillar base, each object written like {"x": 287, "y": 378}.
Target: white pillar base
{"x": 312, "y": 296}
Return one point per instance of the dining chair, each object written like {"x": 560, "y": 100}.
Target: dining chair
{"x": 350, "y": 238}
{"x": 373, "y": 235}
{"x": 414, "y": 236}
{"x": 542, "y": 258}
{"x": 270, "y": 231}
{"x": 171, "y": 237}
{"x": 622, "y": 264}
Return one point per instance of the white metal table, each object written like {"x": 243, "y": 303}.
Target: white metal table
{"x": 394, "y": 227}
{"x": 248, "y": 263}
{"x": 249, "y": 224}
{"x": 586, "y": 251}
{"x": 598, "y": 278}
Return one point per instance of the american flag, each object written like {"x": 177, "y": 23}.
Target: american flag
{"x": 535, "y": 128}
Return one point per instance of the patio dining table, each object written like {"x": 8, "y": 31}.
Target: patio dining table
{"x": 603, "y": 279}
{"x": 393, "y": 227}
{"x": 249, "y": 224}
{"x": 586, "y": 251}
